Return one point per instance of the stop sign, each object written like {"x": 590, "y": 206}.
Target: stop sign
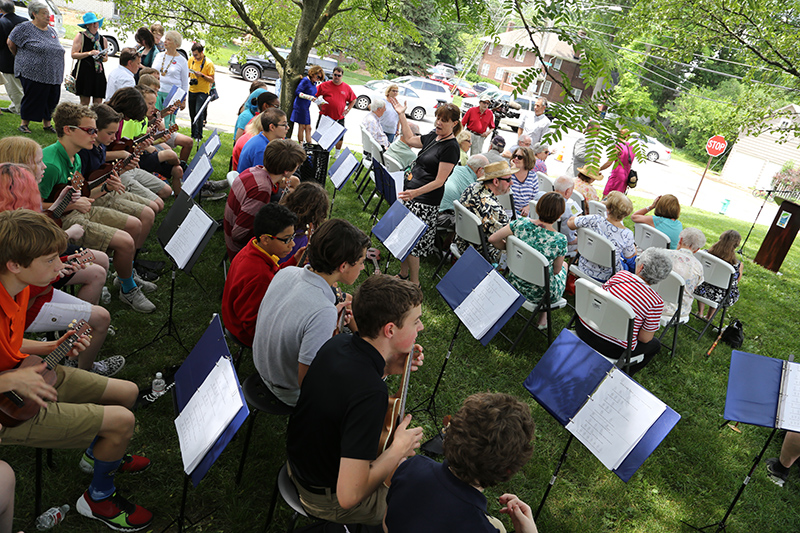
{"x": 716, "y": 145}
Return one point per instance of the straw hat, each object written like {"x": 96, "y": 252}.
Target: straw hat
{"x": 496, "y": 170}
{"x": 591, "y": 174}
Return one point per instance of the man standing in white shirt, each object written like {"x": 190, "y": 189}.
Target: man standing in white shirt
{"x": 123, "y": 76}
{"x": 535, "y": 126}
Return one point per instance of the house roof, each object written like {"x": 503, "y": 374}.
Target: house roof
{"x": 548, "y": 43}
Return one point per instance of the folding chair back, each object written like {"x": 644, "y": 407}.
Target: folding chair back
{"x": 392, "y": 165}
{"x": 715, "y": 272}
{"x": 527, "y": 263}
{"x": 596, "y": 208}
{"x": 646, "y": 236}
{"x": 671, "y": 290}
{"x": 578, "y": 199}
{"x": 366, "y": 147}
{"x": 376, "y": 149}
{"x": 597, "y": 249}
{"x": 545, "y": 183}
{"x": 605, "y": 313}
{"x": 468, "y": 226}
{"x": 507, "y": 201}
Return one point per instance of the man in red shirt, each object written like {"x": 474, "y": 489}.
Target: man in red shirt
{"x": 340, "y": 99}
{"x": 480, "y": 122}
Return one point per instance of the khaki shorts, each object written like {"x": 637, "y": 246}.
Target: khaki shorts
{"x": 99, "y": 224}
{"x": 71, "y": 422}
{"x": 326, "y": 506}
{"x": 126, "y": 202}
{"x": 137, "y": 179}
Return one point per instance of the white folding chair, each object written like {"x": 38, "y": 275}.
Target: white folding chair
{"x": 597, "y": 249}
{"x": 671, "y": 290}
{"x": 376, "y": 150}
{"x": 545, "y": 183}
{"x": 531, "y": 266}
{"x": 593, "y": 207}
{"x": 366, "y": 164}
{"x": 646, "y": 236}
{"x": 607, "y": 314}
{"x": 469, "y": 228}
{"x": 720, "y": 274}
{"x": 392, "y": 165}
{"x": 507, "y": 201}
{"x": 578, "y": 199}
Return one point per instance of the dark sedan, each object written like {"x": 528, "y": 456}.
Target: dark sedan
{"x": 263, "y": 66}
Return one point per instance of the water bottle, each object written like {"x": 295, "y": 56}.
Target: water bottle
{"x": 51, "y": 517}
{"x": 159, "y": 385}
{"x": 105, "y": 296}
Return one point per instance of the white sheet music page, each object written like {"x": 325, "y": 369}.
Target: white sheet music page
{"x": 399, "y": 177}
{"x": 200, "y": 170}
{"x": 213, "y": 144}
{"x": 404, "y": 235}
{"x": 486, "y": 304}
{"x": 613, "y": 421}
{"x": 329, "y": 130}
{"x": 211, "y": 408}
{"x": 789, "y": 401}
{"x": 177, "y": 96}
{"x": 344, "y": 170}
{"x": 188, "y": 236}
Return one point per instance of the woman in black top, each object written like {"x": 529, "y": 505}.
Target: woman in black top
{"x": 424, "y": 187}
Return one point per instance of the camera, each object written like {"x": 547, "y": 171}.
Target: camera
{"x": 193, "y": 81}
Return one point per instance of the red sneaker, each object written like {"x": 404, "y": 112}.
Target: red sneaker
{"x": 131, "y": 464}
{"x": 115, "y": 511}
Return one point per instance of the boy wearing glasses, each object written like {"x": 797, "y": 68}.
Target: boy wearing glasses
{"x": 274, "y": 126}
{"x": 104, "y": 228}
{"x": 254, "y": 267}
{"x": 340, "y": 99}
{"x": 298, "y": 313}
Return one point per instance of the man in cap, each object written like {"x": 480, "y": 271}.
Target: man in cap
{"x": 495, "y": 153}
{"x": 479, "y": 121}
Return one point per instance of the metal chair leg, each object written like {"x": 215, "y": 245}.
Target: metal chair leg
{"x": 246, "y": 445}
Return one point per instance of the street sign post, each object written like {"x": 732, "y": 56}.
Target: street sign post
{"x": 715, "y": 146}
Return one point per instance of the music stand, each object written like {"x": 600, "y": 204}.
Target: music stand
{"x": 197, "y": 174}
{"x": 399, "y": 230}
{"x": 183, "y": 235}
{"x": 341, "y": 170}
{"x": 209, "y": 350}
{"x": 211, "y": 146}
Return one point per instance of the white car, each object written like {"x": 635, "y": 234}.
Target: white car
{"x": 428, "y": 87}
{"x": 56, "y": 19}
{"x": 418, "y": 105}
{"x": 652, "y": 148}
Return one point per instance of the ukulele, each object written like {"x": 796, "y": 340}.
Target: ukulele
{"x": 14, "y": 409}
{"x": 128, "y": 144}
{"x": 106, "y": 170}
{"x": 76, "y": 182}
{"x": 56, "y": 211}
{"x": 396, "y": 411}
{"x": 84, "y": 256}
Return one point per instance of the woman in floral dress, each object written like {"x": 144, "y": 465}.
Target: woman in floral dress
{"x": 725, "y": 249}
{"x": 540, "y": 235}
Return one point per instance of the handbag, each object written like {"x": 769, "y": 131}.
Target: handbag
{"x": 212, "y": 93}
{"x": 70, "y": 80}
{"x": 734, "y": 334}
{"x": 633, "y": 177}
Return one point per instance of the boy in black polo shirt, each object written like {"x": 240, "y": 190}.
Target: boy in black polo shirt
{"x": 334, "y": 431}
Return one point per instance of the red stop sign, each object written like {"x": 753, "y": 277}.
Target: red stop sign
{"x": 716, "y": 145}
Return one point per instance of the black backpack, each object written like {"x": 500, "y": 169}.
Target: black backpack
{"x": 734, "y": 334}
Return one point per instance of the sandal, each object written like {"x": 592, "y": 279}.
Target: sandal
{"x": 49, "y": 129}
{"x": 24, "y": 129}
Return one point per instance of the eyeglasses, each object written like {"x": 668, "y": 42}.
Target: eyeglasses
{"x": 337, "y": 75}
{"x": 394, "y": 91}
{"x": 282, "y": 124}
{"x": 518, "y": 156}
{"x": 504, "y": 179}
{"x": 284, "y": 240}
{"x": 90, "y": 131}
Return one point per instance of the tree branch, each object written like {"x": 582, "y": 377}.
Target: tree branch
{"x": 240, "y": 9}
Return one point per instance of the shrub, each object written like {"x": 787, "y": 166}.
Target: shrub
{"x": 787, "y": 179}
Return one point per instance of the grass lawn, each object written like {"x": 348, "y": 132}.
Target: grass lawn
{"x": 354, "y": 78}
{"x": 691, "y": 477}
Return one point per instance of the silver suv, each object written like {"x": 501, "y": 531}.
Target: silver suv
{"x": 427, "y": 87}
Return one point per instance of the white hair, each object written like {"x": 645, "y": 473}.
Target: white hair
{"x": 656, "y": 265}
{"x": 693, "y": 238}
{"x": 35, "y": 6}
{"x": 377, "y": 104}
{"x": 477, "y": 162}
{"x": 563, "y": 184}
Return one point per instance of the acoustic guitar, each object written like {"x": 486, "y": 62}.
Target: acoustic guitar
{"x": 14, "y": 409}
{"x": 396, "y": 411}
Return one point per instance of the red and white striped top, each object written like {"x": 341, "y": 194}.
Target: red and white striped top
{"x": 646, "y": 303}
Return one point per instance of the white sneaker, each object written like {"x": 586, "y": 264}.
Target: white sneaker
{"x": 137, "y": 300}
{"x": 147, "y": 286}
{"x": 108, "y": 367}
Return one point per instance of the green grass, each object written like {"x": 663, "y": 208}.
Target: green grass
{"x": 692, "y": 476}
{"x": 220, "y": 56}
{"x": 354, "y": 78}
{"x": 72, "y": 30}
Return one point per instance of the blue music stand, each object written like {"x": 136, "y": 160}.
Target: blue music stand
{"x": 387, "y": 224}
{"x": 334, "y": 168}
{"x": 203, "y": 148}
{"x": 190, "y": 169}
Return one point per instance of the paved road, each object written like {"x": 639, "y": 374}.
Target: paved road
{"x": 671, "y": 177}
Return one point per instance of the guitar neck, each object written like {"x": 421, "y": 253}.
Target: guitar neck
{"x": 404, "y": 385}
{"x": 61, "y": 351}
{"x": 58, "y": 210}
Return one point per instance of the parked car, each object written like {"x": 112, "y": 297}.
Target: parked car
{"x": 460, "y": 87}
{"x": 56, "y": 18}
{"x": 418, "y": 105}
{"x": 429, "y": 87}
{"x": 652, "y": 148}
{"x": 482, "y": 86}
{"x": 263, "y": 65}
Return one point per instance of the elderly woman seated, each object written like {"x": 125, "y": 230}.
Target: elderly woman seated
{"x": 687, "y": 267}
{"x": 618, "y": 206}
{"x": 665, "y": 218}
{"x": 636, "y": 289}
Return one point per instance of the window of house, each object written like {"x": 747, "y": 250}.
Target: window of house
{"x": 785, "y": 123}
{"x": 521, "y": 56}
{"x": 498, "y": 74}
{"x": 576, "y": 93}
{"x": 491, "y": 49}
{"x": 557, "y": 63}
{"x": 511, "y": 77}
{"x": 485, "y": 69}
{"x": 546, "y": 87}
{"x": 505, "y": 51}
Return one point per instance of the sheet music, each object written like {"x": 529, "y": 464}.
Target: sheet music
{"x": 328, "y": 132}
{"x": 345, "y": 168}
{"x": 616, "y": 417}
{"x": 195, "y": 178}
{"x": 213, "y": 145}
{"x": 789, "y": 400}
{"x": 177, "y": 94}
{"x": 399, "y": 177}
{"x": 404, "y": 235}
{"x": 208, "y": 413}
{"x": 188, "y": 236}
{"x": 486, "y": 304}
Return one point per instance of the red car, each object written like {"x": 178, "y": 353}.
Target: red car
{"x": 460, "y": 87}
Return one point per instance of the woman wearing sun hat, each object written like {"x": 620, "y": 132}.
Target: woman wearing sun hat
{"x": 88, "y": 52}
{"x": 584, "y": 183}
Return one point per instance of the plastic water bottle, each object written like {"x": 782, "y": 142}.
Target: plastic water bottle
{"x": 105, "y": 296}
{"x": 51, "y": 517}
{"x": 159, "y": 385}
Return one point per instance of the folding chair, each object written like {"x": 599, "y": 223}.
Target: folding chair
{"x": 531, "y": 266}
{"x": 597, "y": 249}
{"x": 366, "y": 164}
{"x": 545, "y": 183}
{"x": 578, "y": 199}
{"x": 532, "y": 214}
{"x": 646, "y": 236}
{"x": 392, "y": 165}
{"x": 720, "y": 274}
{"x": 469, "y": 228}
{"x": 671, "y": 290}
{"x": 377, "y": 156}
{"x": 607, "y": 314}
{"x": 507, "y": 201}
{"x": 593, "y": 207}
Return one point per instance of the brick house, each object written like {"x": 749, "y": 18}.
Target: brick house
{"x": 500, "y": 63}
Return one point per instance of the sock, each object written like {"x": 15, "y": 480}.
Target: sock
{"x": 102, "y": 485}
{"x": 127, "y": 284}
{"x": 90, "y": 449}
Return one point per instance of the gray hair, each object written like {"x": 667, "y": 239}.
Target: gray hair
{"x": 35, "y": 6}
{"x": 377, "y": 104}
{"x": 656, "y": 265}
{"x": 414, "y": 128}
{"x": 538, "y": 148}
{"x": 477, "y": 162}
{"x": 6, "y": 6}
{"x": 544, "y": 101}
{"x": 524, "y": 137}
{"x": 563, "y": 184}
{"x": 693, "y": 238}
{"x": 175, "y": 37}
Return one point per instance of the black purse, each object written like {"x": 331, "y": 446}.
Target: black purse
{"x": 734, "y": 334}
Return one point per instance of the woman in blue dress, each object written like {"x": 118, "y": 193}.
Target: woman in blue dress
{"x": 305, "y": 93}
